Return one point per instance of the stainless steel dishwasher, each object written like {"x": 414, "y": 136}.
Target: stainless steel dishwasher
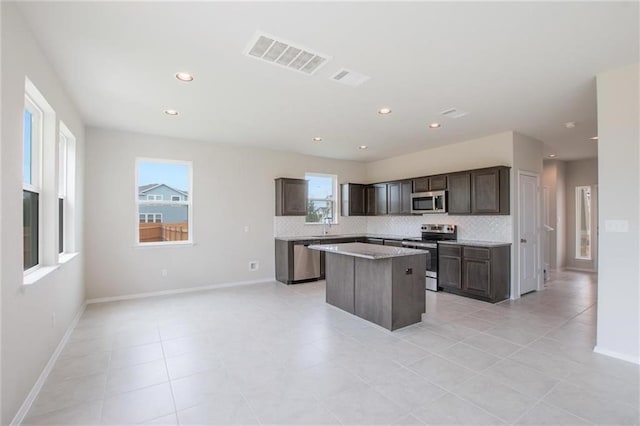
{"x": 306, "y": 263}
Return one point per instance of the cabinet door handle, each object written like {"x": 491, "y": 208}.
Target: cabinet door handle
{"x": 522, "y": 240}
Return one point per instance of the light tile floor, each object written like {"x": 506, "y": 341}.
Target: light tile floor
{"x": 277, "y": 354}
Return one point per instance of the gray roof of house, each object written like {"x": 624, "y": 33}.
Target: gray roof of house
{"x": 145, "y": 188}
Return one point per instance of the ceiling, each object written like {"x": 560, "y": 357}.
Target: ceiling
{"x": 528, "y": 67}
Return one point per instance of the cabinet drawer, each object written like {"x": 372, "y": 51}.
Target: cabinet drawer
{"x": 448, "y": 250}
{"x": 476, "y": 253}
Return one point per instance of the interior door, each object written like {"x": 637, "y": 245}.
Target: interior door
{"x": 528, "y": 230}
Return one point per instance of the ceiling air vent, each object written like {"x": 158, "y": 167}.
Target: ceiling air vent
{"x": 350, "y": 78}
{"x": 279, "y": 52}
{"x": 454, "y": 113}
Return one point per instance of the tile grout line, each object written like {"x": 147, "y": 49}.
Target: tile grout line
{"x": 166, "y": 369}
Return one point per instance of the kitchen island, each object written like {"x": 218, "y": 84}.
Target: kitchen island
{"x": 382, "y": 284}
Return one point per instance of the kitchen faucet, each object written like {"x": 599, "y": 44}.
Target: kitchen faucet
{"x": 326, "y": 221}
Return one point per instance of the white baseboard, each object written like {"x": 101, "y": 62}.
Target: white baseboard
{"x": 176, "y": 291}
{"x": 35, "y": 390}
{"x": 617, "y": 355}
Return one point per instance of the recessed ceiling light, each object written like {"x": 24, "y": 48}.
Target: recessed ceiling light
{"x": 171, "y": 112}
{"x": 570, "y": 124}
{"x": 552, "y": 156}
{"x": 595, "y": 138}
{"x": 363, "y": 147}
{"x": 434, "y": 125}
{"x": 184, "y": 76}
{"x": 317, "y": 139}
{"x": 384, "y": 111}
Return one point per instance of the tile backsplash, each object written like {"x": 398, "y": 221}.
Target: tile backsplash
{"x": 481, "y": 228}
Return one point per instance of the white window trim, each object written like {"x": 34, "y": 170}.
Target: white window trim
{"x": 152, "y": 215}
{"x": 577, "y": 230}
{"x": 179, "y": 198}
{"x": 336, "y": 205}
{"x": 188, "y": 203}
{"x": 66, "y": 190}
{"x": 37, "y": 131}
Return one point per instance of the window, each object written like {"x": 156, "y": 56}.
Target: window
{"x": 164, "y": 202}
{"x": 151, "y": 218}
{"x": 66, "y": 190}
{"x": 583, "y": 222}
{"x": 321, "y": 201}
{"x": 31, "y": 172}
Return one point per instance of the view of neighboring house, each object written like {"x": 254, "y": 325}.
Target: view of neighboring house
{"x": 164, "y": 211}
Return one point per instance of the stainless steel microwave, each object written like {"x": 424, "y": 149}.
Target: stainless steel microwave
{"x": 429, "y": 202}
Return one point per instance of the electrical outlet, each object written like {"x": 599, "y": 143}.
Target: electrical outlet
{"x": 246, "y": 229}
{"x": 164, "y": 272}
{"x": 254, "y": 265}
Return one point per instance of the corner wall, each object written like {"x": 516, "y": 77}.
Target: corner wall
{"x": 619, "y": 213}
{"x": 233, "y": 187}
{"x": 28, "y": 336}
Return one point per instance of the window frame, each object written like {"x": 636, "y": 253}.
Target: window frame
{"x": 138, "y": 202}
{"x": 334, "y": 200}
{"x": 579, "y": 191}
{"x": 36, "y": 169}
{"x": 179, "y": 198}
{"x": 155, "y": 197}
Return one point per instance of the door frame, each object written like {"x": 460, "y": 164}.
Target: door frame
{"x": 538, "y": 215}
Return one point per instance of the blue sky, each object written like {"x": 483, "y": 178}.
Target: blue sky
{"x": 174, "y": 175}
{"x": 26, "y": 148}
{"x": 319, "y": 186}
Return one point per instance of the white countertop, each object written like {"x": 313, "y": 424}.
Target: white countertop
{"x": 330, "y": 236}
{"x": 367, "y": 251}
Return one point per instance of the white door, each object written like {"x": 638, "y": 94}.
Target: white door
{"x": 528, "y": 220}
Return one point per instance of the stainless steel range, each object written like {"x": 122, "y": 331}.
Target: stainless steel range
{"x": 431, "y": 234}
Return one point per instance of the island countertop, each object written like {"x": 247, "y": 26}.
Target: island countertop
{"x": 367, "y": 251}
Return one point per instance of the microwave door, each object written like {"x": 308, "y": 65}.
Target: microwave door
{"x": 423, "y": 204}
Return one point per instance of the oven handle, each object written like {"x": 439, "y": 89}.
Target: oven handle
{"x": 413, "y": 244}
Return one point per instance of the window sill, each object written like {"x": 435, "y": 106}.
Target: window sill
{"x": 65, "y": 257}
{"x": 317, "y": 223}
{"x": 36, "y": 275}
{"x": 165, "y": 244}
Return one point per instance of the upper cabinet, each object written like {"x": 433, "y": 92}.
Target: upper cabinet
{"x": 480, "y": 192}
{"x": 353, "y": 197}
{"x": 430, "y": 183}
{"x": 399, "y": 197}
{"x": 291, "y": 197}
{"x": 490, "y": 191}
{"x": 459, "y": 196}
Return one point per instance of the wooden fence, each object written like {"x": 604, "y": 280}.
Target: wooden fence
{"x": 155, "y": 232}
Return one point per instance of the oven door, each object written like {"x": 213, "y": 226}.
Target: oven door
{"x": 431, "y": 250}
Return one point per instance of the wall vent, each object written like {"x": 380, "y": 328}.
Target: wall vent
{"x": 279, "y": 52}
{"x": 454, "y": 113}
{"x": 350, "y": 78}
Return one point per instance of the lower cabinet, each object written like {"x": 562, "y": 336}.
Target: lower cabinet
{"x": 478, "y": 272}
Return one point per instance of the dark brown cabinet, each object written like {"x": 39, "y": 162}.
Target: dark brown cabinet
{"x": 490, "y": 191}
{"x": 291, "y": 197}
{"x": 478, "y": 272}
{"x": 479, "y": 192}
{"x": 353, "y": 197}
{"x": 399, "y": 197}
{"x": 459, "y": 196}
{"x": 430, "y": 183}
{"x": 449, "y": 267}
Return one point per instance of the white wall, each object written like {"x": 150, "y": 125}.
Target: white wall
{"x": 554, "y": 180}
{"x": 619, "y": 200}
{"x": 492, "y": 150}
{"x": 580, "y": 173}
{"x": 233, "y": 188}
{"x": 28, "y": 338}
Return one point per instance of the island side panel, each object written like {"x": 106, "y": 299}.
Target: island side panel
{"x": 373, "y": 291}
{"x": 408, "y": 290}
{"x": 339, "y": 271}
